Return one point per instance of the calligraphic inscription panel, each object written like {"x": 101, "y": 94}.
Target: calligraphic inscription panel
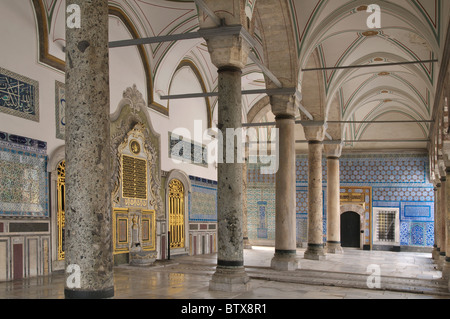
{"x": 134, "y": 177}
{"x": 19, "y": 96}
{"x": 60, "y": 109}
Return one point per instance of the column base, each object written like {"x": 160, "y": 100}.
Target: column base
{"x": 441, "y": 261}
{"x": 315, "y": 252}
{"x": 230, "y": 280}
{"x": 435, "y": 254}
{"x": 446, "y": 269}
{"x": 247, "y": 244}
{"x": 334, "y": 248}
{"x": 89, "y": 294}
{"x": 285, "y": 261}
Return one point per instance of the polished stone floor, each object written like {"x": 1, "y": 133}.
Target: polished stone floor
{"x": 402, "y": 276}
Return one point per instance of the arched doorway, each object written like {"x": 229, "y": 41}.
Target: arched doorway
{"x": 61, "y": 203}
{"x": 350, "y": 230}
{"x": 178, "y": 190}
{"x": 176, "y": 214}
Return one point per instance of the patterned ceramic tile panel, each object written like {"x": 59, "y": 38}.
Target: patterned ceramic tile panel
{"x": 302, "y": 215}
{"x": 261, "y": 213}
{"x": 397, "y": 181}
{"x": 203, "y": 200}
{"x": 389, "y": 170}
{"x": 416, "y": 233}
{"x": 23, "y": 177}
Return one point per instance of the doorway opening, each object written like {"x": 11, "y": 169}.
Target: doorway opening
{"x": 350, "y": 230}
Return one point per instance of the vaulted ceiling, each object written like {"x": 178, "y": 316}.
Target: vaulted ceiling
{"x": 327, "y": 34}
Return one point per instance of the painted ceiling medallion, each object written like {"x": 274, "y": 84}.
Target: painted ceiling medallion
{"x": 361, "y": 8}
{"x": 370, "y": 33}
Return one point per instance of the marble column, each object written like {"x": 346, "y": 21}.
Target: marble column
{"x": 285, "y": 257}
{"x": 437, "y": 223}
{"x": 443, "y": 224}
{"x": 333, "y": 153}
{"x": 247, "y": 244}
{"x": 315, "y": 249}
{"x": 435, "y": 252}
{"x": 446, "y": 262}
{"x": 88, "y": 251}
{"x": 230, "y": 273}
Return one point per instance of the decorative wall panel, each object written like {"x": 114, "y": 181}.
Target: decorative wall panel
{"x": 139, "y": 214}
{"x": 19, "y": 95}
{"x": 261, "y": 213}
{"x": 148, "y": 230}
{"x": 185, "y": 150}
{"x": 23, "y": 177}
{"x": 60, "y": 109}
{"x": 202, "y": 200}
{"x": 396, "y": 181}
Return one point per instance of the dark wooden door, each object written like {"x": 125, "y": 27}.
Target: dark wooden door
{"x": 350, "y": 230}
{"x": 18, "y": 261}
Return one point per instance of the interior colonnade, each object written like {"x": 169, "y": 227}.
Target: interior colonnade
{"x": 87, "y": 191}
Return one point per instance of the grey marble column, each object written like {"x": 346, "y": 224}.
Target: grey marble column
{"x": 442, "y": 221}
{"x": 247, "y": 243}
{"x": 435, "y": 252}
{"x": 285, "y": 198}
{"x": 446, "y": 261}
{"x": 230, "y": 273}
{"x": 88, "y": 251}
{"x": 315, "y": 249}
{"x": 333, "y": 153}
{"x": 437, "y": 223}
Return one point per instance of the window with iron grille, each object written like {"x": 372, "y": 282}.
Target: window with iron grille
{"x": 386, "y": 226}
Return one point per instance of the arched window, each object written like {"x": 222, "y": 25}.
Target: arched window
{"x": 176, "y": 214}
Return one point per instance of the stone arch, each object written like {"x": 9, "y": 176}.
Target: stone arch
{"x": 258, "y": 110}
{"x": 359, "y": 209}
{"x": 191, "y": 65}
{"x": 313, "y": 88}
{"x": 47, "y": 58}
{"x": 57, "y": 156}
{"x": 276, "y": 27}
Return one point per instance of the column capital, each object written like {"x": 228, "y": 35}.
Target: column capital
{"x": 228, "y": 50}
{"x": 333, "y": 150}
{"x": 283, "y": 106}
{"x": 314, "y": 133}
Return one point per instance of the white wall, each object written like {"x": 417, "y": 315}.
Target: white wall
{"x": 183, "y": 114}
{"x": 19, "y": 54}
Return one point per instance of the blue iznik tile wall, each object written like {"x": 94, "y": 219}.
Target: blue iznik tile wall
{"x": 23, "y": 177}
{"x": 389, "y": 181}
{"x": 203, "y": 200}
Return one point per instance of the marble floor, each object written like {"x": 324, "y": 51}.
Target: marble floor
{"x": 402, "y": 276}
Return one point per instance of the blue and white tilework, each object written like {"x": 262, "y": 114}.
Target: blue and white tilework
{"x": 203, "y": 200}
{"x": 396, "y": 181}
{"x": 23, "y": 177}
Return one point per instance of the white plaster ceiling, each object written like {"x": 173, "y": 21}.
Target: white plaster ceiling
{"x": 411, "y": 30}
